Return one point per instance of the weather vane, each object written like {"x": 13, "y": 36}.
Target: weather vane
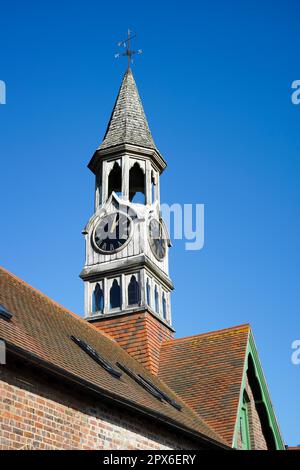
{"x": 126, "y": 44}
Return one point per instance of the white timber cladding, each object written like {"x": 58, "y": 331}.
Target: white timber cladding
{"x": 104, "y": 268}
{"x": 138, "y": 242}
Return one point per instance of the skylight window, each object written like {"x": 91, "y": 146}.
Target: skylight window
{"x": 163, "y": 394}
{"x": 97, "y": 358}
{"x": 149, "y": 386}
{"x": 139, "y": 380}
{"x": 5, "y": 314}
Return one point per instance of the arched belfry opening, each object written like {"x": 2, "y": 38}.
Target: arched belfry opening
{"x": 115, "y": 295}
{"x": 98, "y": 299}
{"x": 137, "y": 190}
{"x": 133, "y": 291}
{"x": 153, "y": 188}
{"x": 115, "y": 180}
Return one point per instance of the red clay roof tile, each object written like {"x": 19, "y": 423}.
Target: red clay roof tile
{"x": 42, "y": 327}
{"x": 206, "y": 370}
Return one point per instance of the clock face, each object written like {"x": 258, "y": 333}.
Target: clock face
{"x": 112, "y": 232}
{"x": 157, "y": 239}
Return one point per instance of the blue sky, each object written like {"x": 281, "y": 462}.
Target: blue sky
{"x": 215, "y": 79}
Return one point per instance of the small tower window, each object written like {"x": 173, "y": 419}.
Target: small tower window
{"x": 148, "y": 292}
{"x": 115, "y": 295}
{"x": 98, "y": 299}
{"x": 164, "y": 306}
{"x": 115, "y": 180}
{"x": 156, "y": 299}
{"x": 133, "y": 291}
{"x": 136, "y": 184}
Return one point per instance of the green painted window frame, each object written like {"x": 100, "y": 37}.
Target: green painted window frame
{"x": 244, "y": 425}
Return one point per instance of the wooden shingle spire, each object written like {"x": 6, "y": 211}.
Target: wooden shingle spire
{"x": 128, "y": 123}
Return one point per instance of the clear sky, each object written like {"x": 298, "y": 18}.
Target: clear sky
{"x": 215, "y": 79}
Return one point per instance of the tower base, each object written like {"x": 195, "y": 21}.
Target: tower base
{"x": 139, "y": 333}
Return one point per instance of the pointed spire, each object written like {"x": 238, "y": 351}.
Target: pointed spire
{"x": 128, "y": 123}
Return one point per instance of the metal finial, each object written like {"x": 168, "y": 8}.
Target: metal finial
{"x": 129, "y": 52}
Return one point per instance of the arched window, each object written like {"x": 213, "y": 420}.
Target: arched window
{"x": 164, "y": 306}
{"x": 115, "y": 180}
{"x": 115, "y": 295}
{"x": 133, "y": 291}
{"x": 153, "y": 188}
{"x": 136, "y": 184}
{"x": 98, "y": 299}
{"x": 148, "y": 292}
{"x": 156, "y": 299}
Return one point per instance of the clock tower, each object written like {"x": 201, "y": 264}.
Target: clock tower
{"x": 126, "y": 273}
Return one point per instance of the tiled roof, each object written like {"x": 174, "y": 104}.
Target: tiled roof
{"x": 42, "y": 328}
{"x": 128, "y": 123}
{"x": 207, "y": 372}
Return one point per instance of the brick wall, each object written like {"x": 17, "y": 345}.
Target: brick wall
{"x": 38, "y": 413}
{"x": 140, "y": 334}
{"x": 257, "y": 439}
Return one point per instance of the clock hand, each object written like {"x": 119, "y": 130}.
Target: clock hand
{"x": 113, "y": 225}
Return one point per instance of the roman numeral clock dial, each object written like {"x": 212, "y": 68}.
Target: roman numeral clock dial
{"x": 112, "y": 232}
{"x": 157, "y": 239}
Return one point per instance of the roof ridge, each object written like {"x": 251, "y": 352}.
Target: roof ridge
{"x": 243, "y": 326}
{"x": 53, "y": 302}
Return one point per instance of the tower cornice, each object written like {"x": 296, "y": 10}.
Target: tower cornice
{"x": 116, "y": 267}
{"x": 131, "y": 150}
